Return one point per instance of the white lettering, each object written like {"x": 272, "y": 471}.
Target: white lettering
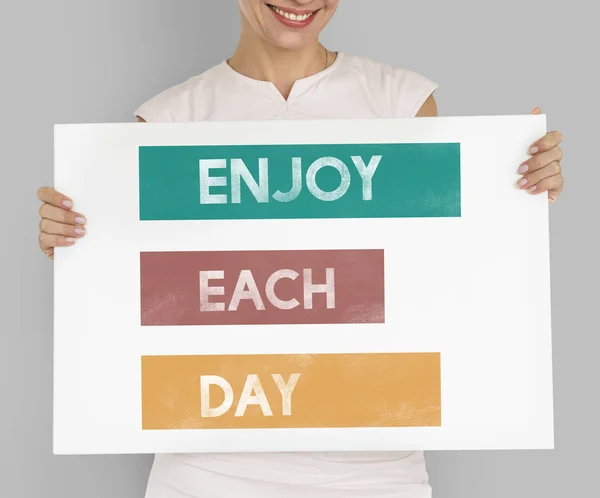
{"x": 253, "y": 385}
{"x": 270, "y": 290}
{"x": 207, "y": 181}
{"x": 296, "y": 183}
{"x": 239, "y": 171}
{"x": 206, "y": 291}
{"x": 366, "y": 173}
{"x": 311, "y": 178}
{"x": 205, "y": 382}
{"x": 246, "y": 289}
{"x": 286, "y": 390}
{"x": 310, "y": 288}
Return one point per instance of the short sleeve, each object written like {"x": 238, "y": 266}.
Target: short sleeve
{"x": 175, "y": 104}
{"x": 157, "y": 109}
{"x": 412, "y": 92}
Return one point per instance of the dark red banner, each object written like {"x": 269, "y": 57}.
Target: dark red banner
{"x": 262, "y": 287}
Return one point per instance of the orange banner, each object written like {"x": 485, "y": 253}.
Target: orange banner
{"x": 291, "y": 391}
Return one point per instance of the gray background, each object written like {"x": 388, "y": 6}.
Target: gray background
{"x": 95, "y": 61}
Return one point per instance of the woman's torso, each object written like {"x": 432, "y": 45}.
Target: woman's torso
{"x": 352, "y": 88}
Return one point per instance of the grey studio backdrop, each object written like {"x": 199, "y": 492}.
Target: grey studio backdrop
{"x": 86, "y": 61}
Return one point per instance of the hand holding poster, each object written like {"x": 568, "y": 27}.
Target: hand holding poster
{"x": 295, "y": 286}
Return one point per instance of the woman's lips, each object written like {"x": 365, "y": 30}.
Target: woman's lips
{"x": 293, "y": 18}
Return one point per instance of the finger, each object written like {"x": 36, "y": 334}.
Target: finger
{"x": 552, "y": 183}
{"x": 56, "y": 228}
{"x": 537, "y": 110}
{"x": 61, "y": 215}
{"x": 50, "y": 196}
{"x": 49, "y": 241}
{"x": 553, "y": 193}
{"x": 541, "y": 160}
{"x": 551, "y": 139}
{"x": 49, "y": 252}
{"x": 531, "y": 179}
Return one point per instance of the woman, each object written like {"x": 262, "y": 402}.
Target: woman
{"x": 281, "y": 71}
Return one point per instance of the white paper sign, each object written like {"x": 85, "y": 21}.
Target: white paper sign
{"x": 302, "y": 286}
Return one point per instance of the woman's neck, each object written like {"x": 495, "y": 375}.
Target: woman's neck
{"x": 259, "y": 60}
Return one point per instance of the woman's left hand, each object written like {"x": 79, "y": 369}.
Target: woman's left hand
{"x": 542, "y": 172}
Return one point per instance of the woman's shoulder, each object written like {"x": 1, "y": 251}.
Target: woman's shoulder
{"x": 173, "y": 103}
{"x": 402, "y": 88}
{"x": 375, "y": 68}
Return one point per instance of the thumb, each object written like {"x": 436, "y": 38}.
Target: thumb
{"x": 537, "y": 110}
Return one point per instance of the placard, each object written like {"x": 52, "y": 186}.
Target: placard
{"x": 336, "y": 285}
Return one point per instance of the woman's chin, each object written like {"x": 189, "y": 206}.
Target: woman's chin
{"x": 291, "y": 41}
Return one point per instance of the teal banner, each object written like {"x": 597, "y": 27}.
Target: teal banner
{"x": 299, "y": 181}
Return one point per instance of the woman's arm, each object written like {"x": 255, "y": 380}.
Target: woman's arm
{"x": 428, "y": 109}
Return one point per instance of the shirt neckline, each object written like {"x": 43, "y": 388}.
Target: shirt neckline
{"x": 299, "y": 87}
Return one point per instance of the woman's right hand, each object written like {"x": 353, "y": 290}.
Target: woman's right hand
{"x": 60, "y": 226}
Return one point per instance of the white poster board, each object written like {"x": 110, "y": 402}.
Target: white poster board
{"x": 302, "y": 286}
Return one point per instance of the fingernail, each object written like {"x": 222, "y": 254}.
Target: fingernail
{"x": 532, "y": 189}
{"x": 534, "y": 150}
{"x": 523, "y": 169}
{"x": 79, "y": 231}
{"x": 67, "y": 204}
{"x": 522, "y": 182}
{"x": 80, "y": 220}
{"x": 70, "y": 240}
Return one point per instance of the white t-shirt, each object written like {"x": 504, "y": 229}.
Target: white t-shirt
{"x": 352, "y": 87}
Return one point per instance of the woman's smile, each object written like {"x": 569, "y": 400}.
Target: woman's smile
{"x": 293, "y": 18}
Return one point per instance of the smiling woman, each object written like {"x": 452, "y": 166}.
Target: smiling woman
{"x": 280, "y": 70}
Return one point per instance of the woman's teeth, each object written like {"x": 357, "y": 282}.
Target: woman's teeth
{"x": 290, "y": 16}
